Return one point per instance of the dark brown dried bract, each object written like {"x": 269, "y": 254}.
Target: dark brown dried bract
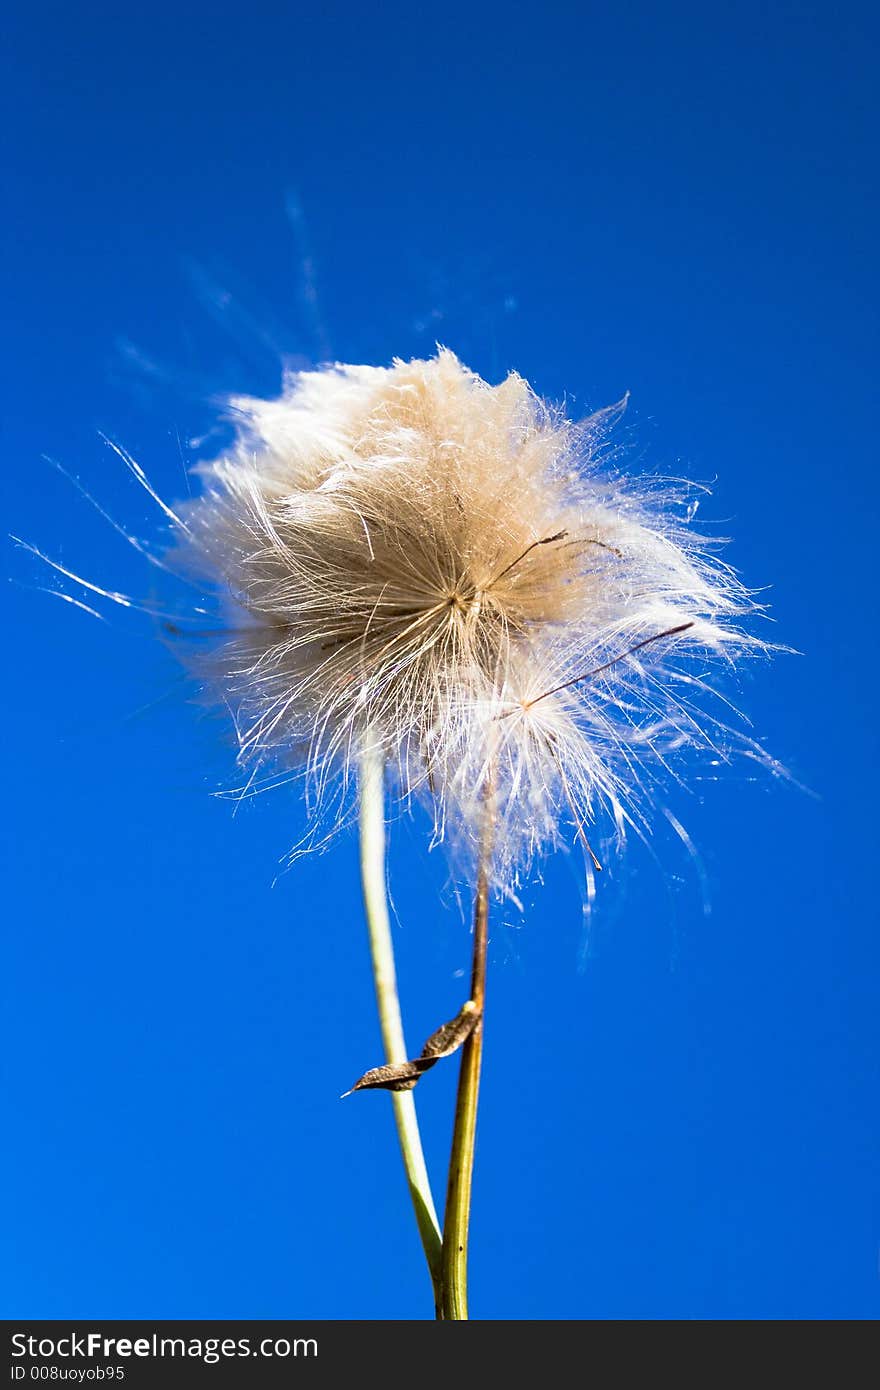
{"x": 402, "y": 1076}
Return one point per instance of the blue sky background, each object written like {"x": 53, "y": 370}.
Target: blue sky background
{"x": 680, "y": 1104}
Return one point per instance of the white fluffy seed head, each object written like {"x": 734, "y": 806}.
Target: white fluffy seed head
{"x": 419, "y": 560}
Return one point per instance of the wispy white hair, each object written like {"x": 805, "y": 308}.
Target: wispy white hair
{"x": 453, "y": 571}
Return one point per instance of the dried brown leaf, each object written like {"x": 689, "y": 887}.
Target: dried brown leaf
{"x": 402, "y": 1076}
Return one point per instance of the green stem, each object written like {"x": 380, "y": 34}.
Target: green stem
{"x": 372, "y": 831}
{"x": 453, "y": 1304}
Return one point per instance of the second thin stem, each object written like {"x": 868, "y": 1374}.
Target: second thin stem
{"x": 453, "y": 1284}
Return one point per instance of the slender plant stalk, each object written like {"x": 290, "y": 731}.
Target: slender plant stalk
{"x": 453, "y": 1305}
{"x": 372, "y": 836}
